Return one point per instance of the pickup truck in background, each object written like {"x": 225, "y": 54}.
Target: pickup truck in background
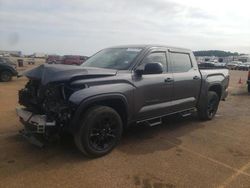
{"x": 115, "y": 88}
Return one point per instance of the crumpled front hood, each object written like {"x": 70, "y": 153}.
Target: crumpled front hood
{"x": 53, "y": 73}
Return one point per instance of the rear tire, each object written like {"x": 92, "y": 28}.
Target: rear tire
{"x": 210, "y": 107}
{"x": 99, "y": 132}
{"x": 5, "y": 76}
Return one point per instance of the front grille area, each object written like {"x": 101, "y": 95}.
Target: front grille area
{"x": 46, "y": 100}
{"x": 29, "y": 127}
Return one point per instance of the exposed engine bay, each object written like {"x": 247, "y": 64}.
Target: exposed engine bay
{"x": 50, "y": 100}
{"x": 47, "y": 111}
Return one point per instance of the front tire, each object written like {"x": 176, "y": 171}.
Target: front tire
{"x": 5, "y": 76}
{"x": 210, "y": 107}
{"x": 99, "y": 132}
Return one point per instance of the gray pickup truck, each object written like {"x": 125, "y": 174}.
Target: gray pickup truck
{"x": 115, "y": 88}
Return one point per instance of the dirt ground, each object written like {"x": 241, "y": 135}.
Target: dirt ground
{"x": 182, "y": 152}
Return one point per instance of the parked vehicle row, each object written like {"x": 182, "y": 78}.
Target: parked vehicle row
{"x": 244, "y": 66}
{"x": 234, "y": 65}
{"x": 66, "y": 60}
{"x": 211, "y": 65}
{"x": 53, "y": 59}
{"x": 8, "y": 68}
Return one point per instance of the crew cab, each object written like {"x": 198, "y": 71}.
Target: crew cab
{"x": 7, "y": 69}
{"x": 116, "y": 88}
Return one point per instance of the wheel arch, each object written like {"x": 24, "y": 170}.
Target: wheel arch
{"x": 217, "y": 88}
{"x": 116, "y": 101}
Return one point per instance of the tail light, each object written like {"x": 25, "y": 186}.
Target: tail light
{"x": 248, "y": 75}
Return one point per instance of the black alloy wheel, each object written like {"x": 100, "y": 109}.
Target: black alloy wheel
{"x": 212, "y": 106}
{"x": 100, "y": 131}
{"x": 209, "y": 108}
{"x": 103, "y": 133}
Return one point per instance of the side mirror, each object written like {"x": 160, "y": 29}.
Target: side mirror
{"x": 139, "y": 72}
{"x": 153, "y": 68}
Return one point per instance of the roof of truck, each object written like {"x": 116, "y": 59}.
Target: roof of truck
{"x": 147, "y": 46}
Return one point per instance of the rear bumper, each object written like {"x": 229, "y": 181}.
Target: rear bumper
{"x": 34, "y": 123}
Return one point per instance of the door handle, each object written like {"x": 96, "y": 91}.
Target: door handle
{"x": 169, "y": 80}
{"x": 196, "y": 77}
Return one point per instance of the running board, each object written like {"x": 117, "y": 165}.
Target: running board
{"x": 185, "y": 114}
{"x": 158, "y": 120}
{"x": 152, "y": 122}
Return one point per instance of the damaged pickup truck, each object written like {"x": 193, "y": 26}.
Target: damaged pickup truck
{"x": 115, "y": 88}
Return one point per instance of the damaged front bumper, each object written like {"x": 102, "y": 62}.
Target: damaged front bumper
{"x": 35, "y": 125}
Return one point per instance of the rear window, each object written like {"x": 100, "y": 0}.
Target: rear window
{"x": 180, "y": 62}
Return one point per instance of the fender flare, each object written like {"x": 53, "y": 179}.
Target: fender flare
{"x": 201, "y": 103}
{"x": 85, "y": 103}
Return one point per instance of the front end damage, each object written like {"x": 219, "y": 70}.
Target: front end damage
{"x": 45, "y": 111}
{"x": 33, "y": 126}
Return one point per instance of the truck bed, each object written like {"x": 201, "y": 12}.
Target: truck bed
{"x": 212, "y": 72}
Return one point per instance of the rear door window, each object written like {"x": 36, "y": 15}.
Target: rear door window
{"x": 180, "y": 62}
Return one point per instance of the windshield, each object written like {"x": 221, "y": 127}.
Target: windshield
{"x": 113, "y": 58}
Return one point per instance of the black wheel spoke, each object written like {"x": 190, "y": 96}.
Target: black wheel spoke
{"x": 103, "y": 133}
{"x": 212, "y": 105}
{"x": 111, "y": 135}
{"x": 100, "y": 131}
{"x": 94, "y": 134}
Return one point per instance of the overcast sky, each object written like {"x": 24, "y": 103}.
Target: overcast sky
{"x": 83, "y": 27}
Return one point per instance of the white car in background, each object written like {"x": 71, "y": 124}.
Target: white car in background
{"x": 244, "y": 66}
{"x": 220, "y": 64}
{"x": 233, "y": 65}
